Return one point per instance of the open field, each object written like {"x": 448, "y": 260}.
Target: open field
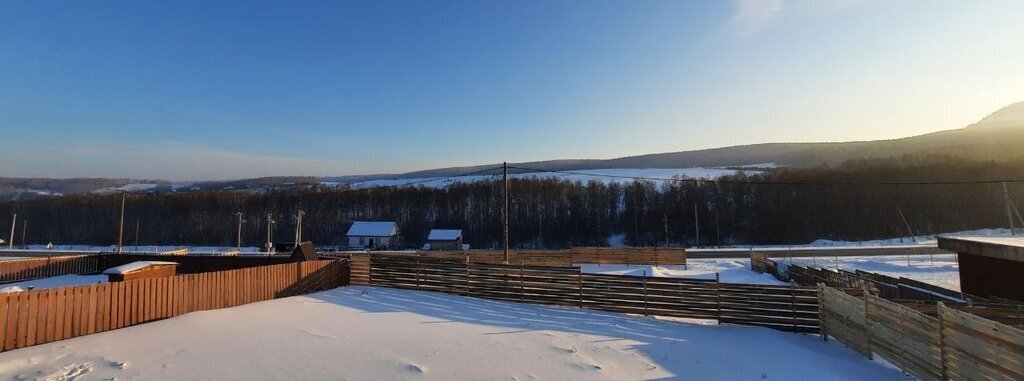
{"x": 364, "y": 333}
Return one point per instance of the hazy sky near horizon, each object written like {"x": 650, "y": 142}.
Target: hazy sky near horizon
{"x": 198, "y": 90}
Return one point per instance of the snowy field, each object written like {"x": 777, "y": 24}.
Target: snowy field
{"x": 940, "y": 270}
{"x": 583, "y": 175}
{"x": 921, "y": 240}
{"x": 367, "y": 333}
{"x": 730, "y": 271}
{"x": 53, "y": 282}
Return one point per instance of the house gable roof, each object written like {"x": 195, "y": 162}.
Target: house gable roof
{"x": 372, "y": 229}
{"x": 445, "y": 234}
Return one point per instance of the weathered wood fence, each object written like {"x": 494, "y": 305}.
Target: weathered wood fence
{"x": 788, "y": 308}
{"x": 882, "y": 285}
{"x": 41, "y": 316}
{"x": 952, "y": 344}
{"x": 31, "y": 268}
{"x": 575, "y": 255}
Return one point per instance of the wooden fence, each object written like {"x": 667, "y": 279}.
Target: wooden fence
{"x": 575, "y": 255}
{"x": 788, "y": 308}
{"x": 952, "y": 344}
{"x": 882, "y": 285}
{"x": 41, "y": 316}
{"x": 31, "y": 268}
{"x": 760, "y": 263}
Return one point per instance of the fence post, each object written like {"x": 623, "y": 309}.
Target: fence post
{"x": 579, "y": 287}
{"x": 821, "y": 312}
{"x": 645, "y": 293}
{"x": 868, "y": 301}
{"x": 467, "y": 274}
{"x": 940, "y": 306}
{"x": 522, "y": 292}
{"x": 792, "y": 303}
{"x": 417, "y": 271}
{"x": 718, "y": 296}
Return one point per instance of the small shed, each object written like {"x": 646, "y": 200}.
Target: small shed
{"x": 989, "y": 266}
{"x": 445, "y": 239}
{"x": 372, "y": 234}
{"x": 141, "y": 270}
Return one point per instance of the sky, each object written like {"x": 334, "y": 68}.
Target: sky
{"x": 204, "y": 90}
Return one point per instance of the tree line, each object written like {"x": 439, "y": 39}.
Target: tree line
{"x": 780, "y": 206}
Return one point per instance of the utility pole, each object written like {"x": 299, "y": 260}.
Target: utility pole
{"x": 718, "y": 229}
{"x": 239, "y": 246}
{"x": 664, "y": 219}
{"x": 696, "y": 224}
{"x": 137, "y": 234}
{"x": 120, "y": 229}
{"x": 504, "y": 166}
{"x": 298, "y": 227}
{"x": 24, "y": 225}
{"x": 14, "y": 222}
{"x": 905, "y": 223}
{"x": 1009, "y": 212}
{"x": 270, "y": 223}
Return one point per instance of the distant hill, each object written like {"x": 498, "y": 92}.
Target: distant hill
{"x": 998, "y": 136}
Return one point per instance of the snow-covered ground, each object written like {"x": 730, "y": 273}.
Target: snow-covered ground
{"x": 53, "y": 282}
{"x": 368, "y": 333}
{"x": 922, "y": 240}
{"x": 138, "y": 187}
{"x": 940, "y": 269}
{"x": 730, "y": 271}
{"x": 583, "y": 175}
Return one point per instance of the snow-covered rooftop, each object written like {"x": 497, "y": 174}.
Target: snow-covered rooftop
{"x": 134, "y": 266}
{"x": 1017, "y": 241}
{"x": 372, "y": 229}
{"x": 445, "y": 234}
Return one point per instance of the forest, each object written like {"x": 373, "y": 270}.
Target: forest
{"x": 858, "y": 200}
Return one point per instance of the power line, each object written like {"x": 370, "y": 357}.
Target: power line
{"x": 719, "y": 181}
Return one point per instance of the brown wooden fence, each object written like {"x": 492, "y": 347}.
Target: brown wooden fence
{"x": 31, "y": 268}
{"x": 952, "y": 344}
{"x": 575, "y": 255}
{"x": 782, "y": 307}
{"x": 41, "y": 316}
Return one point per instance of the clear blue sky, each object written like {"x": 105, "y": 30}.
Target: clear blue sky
{"x": 214, "y": 90}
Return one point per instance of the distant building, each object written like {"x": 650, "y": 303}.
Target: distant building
{"x": 988, "y": 266}
{"x": 445, "y": 240}
{"x": 372, "y": 234}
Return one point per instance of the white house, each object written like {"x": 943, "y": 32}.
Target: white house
{"x": 444, "y": 239}
{"x": 372, "y": 234}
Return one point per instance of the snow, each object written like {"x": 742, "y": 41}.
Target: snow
{"x": 921, "y": 240}
{"x": 582, "y": 175}
{"x": 53, "y": 282}
{"x": 134, "y": 266}
{"x": 444, "y": 234}
{"x": 1016, "y": 241}
{"x": 128, "y": 188}
{"x": 941, "y": 269}
{"x": 371, "y": 229}
{"x": 729, "y": 270}
{"x": 617, "y": 240}
{"x": 368, "y": 333}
